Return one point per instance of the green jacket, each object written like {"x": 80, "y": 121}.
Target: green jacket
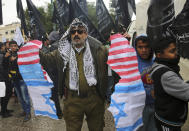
{"x": 100, "y": 55}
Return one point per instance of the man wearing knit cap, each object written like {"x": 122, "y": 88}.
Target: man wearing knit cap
{"x": 82, "y": 77}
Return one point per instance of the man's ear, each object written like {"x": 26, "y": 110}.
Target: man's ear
{"x": 158, "y": 55}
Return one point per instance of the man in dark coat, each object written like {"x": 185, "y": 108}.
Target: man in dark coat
{"x": 82, "y": 77}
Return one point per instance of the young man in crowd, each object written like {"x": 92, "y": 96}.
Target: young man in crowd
{"x": 10, "y": 60}
{"x": 4, "y": 78}
{"x": 171, "y": 92}
{"x": 145, "y": 61}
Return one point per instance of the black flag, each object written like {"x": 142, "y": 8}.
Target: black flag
{"x": 36, "y": 25}
{"x": 1, "y": 13}
{"x": 63, "y": 11}
{"x": 123, "y": 12}
{"x": 83, "y": 5}
{"x": 77, "y": 12}
{"x": 105, "y": 22}
{"x": 161, "y": 14}
{"x": 21, "y": 16}
{"x": 132, "y": 6}
{"x": 180, "y": 29}
{"x": 57, "y": 20}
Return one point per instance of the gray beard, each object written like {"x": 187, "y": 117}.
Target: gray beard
{"x": 81, "y": 43}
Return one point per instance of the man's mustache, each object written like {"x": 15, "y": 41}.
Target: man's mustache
{"x": 76, "y": 37}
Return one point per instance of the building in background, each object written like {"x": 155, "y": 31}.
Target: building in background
{"x": 7, "y": 32}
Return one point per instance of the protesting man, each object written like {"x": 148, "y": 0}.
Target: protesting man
{"x": 145, "y": 61}
{"x": 21, "y": 89}
{"x": 4, "y": 78}
{"x": 82, "y": 76}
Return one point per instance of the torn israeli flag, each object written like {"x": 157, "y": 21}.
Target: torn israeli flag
{"x": 128, "y": 99}
{"x": 36, "y": 79}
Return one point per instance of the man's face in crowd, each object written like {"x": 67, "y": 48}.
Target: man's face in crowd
{"x": 78, "y": 36}
{"x": 13, "y": 47}
{"x": 170, "y": 52}
{"x": 3, "y": 48}
{"x": 143, "y": 50}
{"x": 7, "y": 45}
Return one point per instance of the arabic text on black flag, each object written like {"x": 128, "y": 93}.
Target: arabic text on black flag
{"x": 124, "y": 11}
{"x": 21, "y": 16}
{"x": 57, "y": 20}
{"x": 37, "y": 26}
{"x": 83, "y": 5}
{"x": 63, "y": 11}
{"x": 180, "y": 29}
{"x": 161, "y": 14}
{"x": 105, "y": 22}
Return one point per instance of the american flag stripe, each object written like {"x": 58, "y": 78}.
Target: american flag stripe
{"x": 122, "y": 59}
{"x": 128, "y": 72}
{"x": 27, "y": 51}
{"x": 28, "y": 47}
{"x": 28, "y": 58}
{"x": 129, "y": 50}
{"x": 117, "y": 56}
{"x": 120, "y": 43}
{"x": 28, "y": 54}
{"x": 118, "y": 48}
{"x": 125, "y": 66}
{"x": 117, "y": 39}
{"x": 127, "y": 69}
{"x": 37, "y": 43}
{"x": 28, "y": 62}
{"x": 124, "y": 63}
{"x": 130, "y": 75}
{"x": 130, "y": 79}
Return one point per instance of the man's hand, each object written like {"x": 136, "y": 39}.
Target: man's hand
{"x": 12, "y": 58}
{"x": 126, "y": 35}
{"x": 7, "y": 54}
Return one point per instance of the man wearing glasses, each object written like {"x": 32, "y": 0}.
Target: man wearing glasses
{"x": 82, "y": 77}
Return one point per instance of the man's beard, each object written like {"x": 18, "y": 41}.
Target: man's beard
{"x": 81, "y": 42}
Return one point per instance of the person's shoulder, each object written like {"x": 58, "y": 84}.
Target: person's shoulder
{"x": 94, "y": 41}
{"x": 156, "y": 67}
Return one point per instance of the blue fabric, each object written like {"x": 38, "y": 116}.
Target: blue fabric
{"x": 23, "y": 96}
{"x": 34, "y": 77}
{"x": 144, "y": 67}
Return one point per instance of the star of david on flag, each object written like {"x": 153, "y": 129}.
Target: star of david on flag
{"x": 37, "y": 80}
{"x": 128, "y": 99}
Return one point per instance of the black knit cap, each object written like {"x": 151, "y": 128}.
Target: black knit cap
{"x": 162, "y": 44}
{"x": 12, "y": 42}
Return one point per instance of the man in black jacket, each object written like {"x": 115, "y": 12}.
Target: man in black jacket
{"x": 171, "y": 92}
{"x": 18, "y": 82}
{"x": 4, "y": 78}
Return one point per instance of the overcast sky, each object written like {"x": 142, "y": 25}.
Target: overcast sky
{"x": 9, "y": 8}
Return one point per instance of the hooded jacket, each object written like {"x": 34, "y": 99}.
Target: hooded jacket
{"x": 172, "y": 95}
{"x": 144, "y": 67}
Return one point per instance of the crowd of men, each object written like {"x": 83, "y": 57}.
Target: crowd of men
{"x": 76, "y": 63}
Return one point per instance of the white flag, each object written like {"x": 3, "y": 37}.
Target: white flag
{"x": 18, "y": 37}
